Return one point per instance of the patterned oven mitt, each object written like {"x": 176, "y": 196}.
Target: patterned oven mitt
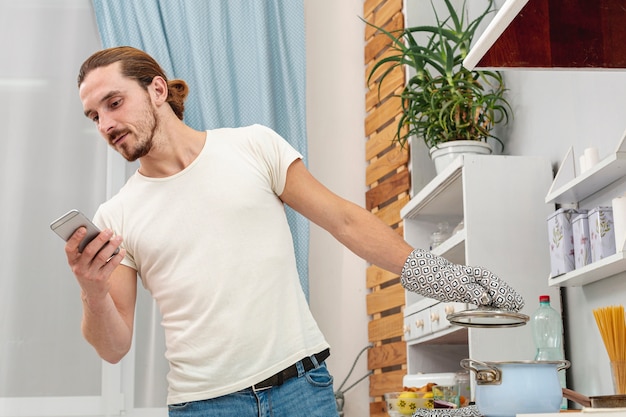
{"x": 435, "y": 277}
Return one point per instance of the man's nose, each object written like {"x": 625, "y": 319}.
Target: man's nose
{"x": 105, "y": 125}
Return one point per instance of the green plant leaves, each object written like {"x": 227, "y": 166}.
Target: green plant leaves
{"x": 443, "y": 100}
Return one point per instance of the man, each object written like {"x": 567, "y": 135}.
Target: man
{"x": 202, "y": 223}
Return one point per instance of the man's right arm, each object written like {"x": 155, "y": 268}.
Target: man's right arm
{"x": 108, "y": 292}
{"x": 108, "y": 322}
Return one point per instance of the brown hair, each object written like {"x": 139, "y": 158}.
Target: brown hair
{"x": 140, "y": 66}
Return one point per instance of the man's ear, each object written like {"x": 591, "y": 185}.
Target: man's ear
{"x": 158, "y": 90}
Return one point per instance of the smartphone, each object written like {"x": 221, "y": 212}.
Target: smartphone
{"x": 66, "y": 225}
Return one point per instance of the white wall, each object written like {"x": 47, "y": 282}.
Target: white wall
{"x": 335, "y": 113}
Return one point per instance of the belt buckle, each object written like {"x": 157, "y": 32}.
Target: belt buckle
{"x": 255, "y": 389}
{"x": 266, "y": 384}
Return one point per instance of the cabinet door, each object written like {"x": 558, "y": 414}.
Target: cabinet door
{"x": 439, "y": 312}
{"x": 417, "y": 325}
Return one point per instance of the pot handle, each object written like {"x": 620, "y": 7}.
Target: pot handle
{"x": 563, "y": 364}
{"x": 489, "y": 376}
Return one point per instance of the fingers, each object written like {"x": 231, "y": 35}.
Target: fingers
{"x": 109, "y": 263}
{"x": 503, "y": 296}
{"x": 99, "y": 257}
{"x": 73, "y": 243}
{"x": 71, "y": 246}
{"x": 104, "y": 246}
{"x": 434, "y": 277}
{"x": 99, "y": 243}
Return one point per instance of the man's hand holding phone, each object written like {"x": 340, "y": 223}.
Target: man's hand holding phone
{"x": 95, "y": 264}
{"x": 101, "y": 249}
{"x": 92, "y": 254}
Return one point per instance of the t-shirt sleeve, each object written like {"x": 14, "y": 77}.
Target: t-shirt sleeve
{"x": 277, "y": 154}
{"x": 105, "y": 219}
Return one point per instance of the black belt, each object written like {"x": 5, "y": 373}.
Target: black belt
{"x": 292, "y": 371}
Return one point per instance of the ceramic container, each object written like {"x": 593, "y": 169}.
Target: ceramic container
{"x": 561, "y": 240}
{"x": 582, "y": 244}
{"x": 601, "y": 233}
{"x": 619, "y": 222}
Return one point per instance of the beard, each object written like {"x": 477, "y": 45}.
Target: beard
{"x": 144, "y": 134}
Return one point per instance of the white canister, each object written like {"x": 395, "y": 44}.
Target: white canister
{"x": 601, "y": 233}
{"x": 619, "y": 221}
{"x": 592, "y": 157}
{"x": 582, "y": 162}
{"x": 561, "y": 241}
{"x": 582, "y": 244}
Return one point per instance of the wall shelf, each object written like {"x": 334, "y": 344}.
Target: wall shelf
{"x": 604, "y": 173}
{"x": 439, "y": 200}
{"x": 604, "y": 268}
{"x": 570, "y": 189}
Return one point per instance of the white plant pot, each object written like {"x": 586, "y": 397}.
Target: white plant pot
{"x": 421, "y": 167}
{"x": 444, "y": 153}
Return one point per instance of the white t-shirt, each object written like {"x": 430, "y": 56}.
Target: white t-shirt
{"x": 213, "y": 246}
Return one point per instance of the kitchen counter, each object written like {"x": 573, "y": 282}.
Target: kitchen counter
{"x": 591, "y": 412}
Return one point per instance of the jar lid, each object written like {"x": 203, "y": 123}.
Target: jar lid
{"x": 488, "y": 317}
{"x": 419, "y": 380}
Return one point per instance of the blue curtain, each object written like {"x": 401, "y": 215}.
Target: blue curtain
{"x": 244, "y": 61}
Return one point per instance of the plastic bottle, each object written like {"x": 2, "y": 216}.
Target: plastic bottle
{"x": 547, "y": 329}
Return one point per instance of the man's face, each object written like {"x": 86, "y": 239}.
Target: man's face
{"x": 121, "y": 109}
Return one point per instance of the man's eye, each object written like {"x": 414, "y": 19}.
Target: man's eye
{"x": 95, "y": 119}
{"x": 116, "y": 103}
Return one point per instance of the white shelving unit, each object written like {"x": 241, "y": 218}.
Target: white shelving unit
{"x": 606, "y": 172}
{"x": 573, "y": 190}
{"x": 500, "y": 199}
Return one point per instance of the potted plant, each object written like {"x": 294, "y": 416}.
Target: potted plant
{"x": 443, "y": 102}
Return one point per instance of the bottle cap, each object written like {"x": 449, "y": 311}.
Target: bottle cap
{"x": 544, "y": 298}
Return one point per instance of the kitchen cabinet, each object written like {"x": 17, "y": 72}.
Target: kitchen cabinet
{"x": 427, "y": 320}
{"x": 500, "y": 200}
{"x": 552, "y": 34}
{"x": 577, "y": 192}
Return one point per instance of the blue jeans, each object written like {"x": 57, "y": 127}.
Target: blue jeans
{"x": 310, "y": 394}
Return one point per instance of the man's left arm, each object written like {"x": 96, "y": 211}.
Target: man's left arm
{"x": 371, "y": 239}
{"x": 356, "y": 228}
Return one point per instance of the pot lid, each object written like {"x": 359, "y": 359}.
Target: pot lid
{"x": 488, "y": 317}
